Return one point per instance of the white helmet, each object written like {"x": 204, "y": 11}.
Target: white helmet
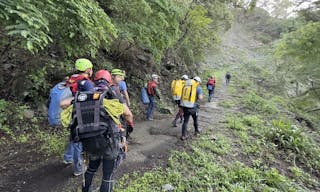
{"x": 196, "y": 78}
{"x": 154, "y": 76}
{"x": 184, "y": 77}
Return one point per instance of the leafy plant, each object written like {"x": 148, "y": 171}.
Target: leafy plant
{"x": 258, "y": 104}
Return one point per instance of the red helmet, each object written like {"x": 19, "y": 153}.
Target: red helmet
{"x": 103, "y": 74}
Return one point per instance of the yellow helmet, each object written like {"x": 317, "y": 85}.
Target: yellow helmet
{"x": 83, "y": 64}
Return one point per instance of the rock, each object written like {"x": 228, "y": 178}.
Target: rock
{"x": 166, "y": 110}
{"x": 165, "y": 73}
{"x": 28, "y": 113}
{"x": 143, "y": 57}
{"x": 167, "y": 187}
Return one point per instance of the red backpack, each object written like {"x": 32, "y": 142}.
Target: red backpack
{"x": 211, "y": 82}
{"x": 73, "y": 82}
{"x": 151, "y": 85}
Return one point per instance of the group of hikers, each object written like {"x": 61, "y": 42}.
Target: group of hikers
{"x": 95, "y": 109}
{"x": 187, "y": 94}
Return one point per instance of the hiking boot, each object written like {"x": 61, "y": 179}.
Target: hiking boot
{"x": 76, "y": 174}
{"x": 196, "y": 133}
{"x": 150, "y": 119}
{"x": 183, "y": 138}
{"x": 67, "y": 162}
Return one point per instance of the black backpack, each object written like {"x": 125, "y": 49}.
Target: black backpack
{"x": 92, "y": 125}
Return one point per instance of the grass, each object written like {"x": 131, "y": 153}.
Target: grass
{"x": 254, "y": 158}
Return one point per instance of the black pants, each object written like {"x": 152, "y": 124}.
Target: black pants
{"x": 109, "y": 166}
{"x": 187, "y": 112}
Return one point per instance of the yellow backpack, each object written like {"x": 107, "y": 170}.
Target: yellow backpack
{"x": 176, "y": 89}
{"x": 189, "y": 93}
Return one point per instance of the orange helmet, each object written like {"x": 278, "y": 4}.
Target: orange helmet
{"x": 103, "y": 74}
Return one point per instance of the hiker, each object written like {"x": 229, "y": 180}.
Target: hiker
{"x": 84, "y": 72}
{"x": 102, "y": 140}
{"x": 191, "y": 95}
{"x": 176, "y": 91}
{"x": 211, "y": 83}
{"x": 104, "y": 79}
{"x": 59, "y": 92}
{"x": 118, "y": 76}
{"x": 74, "y": 149}
{"x": 228, "y": 77}
{"x": 152, "y": 92}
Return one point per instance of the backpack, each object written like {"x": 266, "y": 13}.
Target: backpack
{"x": 189, "y": 94}
{"x": 150, "y": 86}
{"x": 73, "y": 82}
{"x": 144, "y": 96}
{"x": 211, "y": 82}
{"x": 210, "y": 87}
{"x": 176, "y": 89}
{"x": 57, "y": 93}
{"x": 92, "y": 125}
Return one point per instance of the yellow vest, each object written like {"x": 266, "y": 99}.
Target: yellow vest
{"x": 176, "y": 88}
{"x": 189, "y": 93}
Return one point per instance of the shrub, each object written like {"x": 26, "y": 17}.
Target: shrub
{"x": 258, "y": 104}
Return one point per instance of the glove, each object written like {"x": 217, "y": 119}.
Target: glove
{"x": 130, "y": 126}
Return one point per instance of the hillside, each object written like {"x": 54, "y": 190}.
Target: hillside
{"x": 246, "y": 141}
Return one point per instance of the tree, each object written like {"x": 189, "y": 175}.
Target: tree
{"x": 77, "y": 26}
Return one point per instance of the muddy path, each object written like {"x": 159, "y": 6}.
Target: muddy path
{"x": 25, "y": 170}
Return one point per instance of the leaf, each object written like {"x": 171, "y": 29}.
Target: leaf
{"x": 29, "y": 46}
{"x": 24, "y": 33}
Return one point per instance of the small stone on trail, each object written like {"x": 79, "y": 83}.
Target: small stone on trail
{"x": 213, "y": 138}
{"x": 167, "y": 187}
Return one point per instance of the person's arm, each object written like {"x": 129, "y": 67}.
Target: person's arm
{"x": 128, "y": 116}
{"x": 200, "y": 97}
{"x": 156, "y": 92}
{"x": 126, "y": 96}
{"x": 66, "y": 102}
{"x": 199, "y": 93}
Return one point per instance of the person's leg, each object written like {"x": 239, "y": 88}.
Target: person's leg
{"x": 68, "y": 154}
{"x": 195, "y": 123}
{"x": 174, "y": 122}
{"x": 210, "y": 96}
{"x": 181, "y": 114}
{"x": 109, "y": 167}
{"x": 186, "y": 116}
{"x": 212, "y": 93}
{"x": 154, "y": 106}
{"x": 77, "y": 158}
{"x": 150, "y": 108}
{"x": 92, "y": 168}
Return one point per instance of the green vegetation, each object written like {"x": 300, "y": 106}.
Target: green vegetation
{"x": 269, "y": 140}
{"x": 203, "y": 171}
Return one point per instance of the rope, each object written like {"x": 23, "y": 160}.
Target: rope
{"x": 113, "y": 107}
